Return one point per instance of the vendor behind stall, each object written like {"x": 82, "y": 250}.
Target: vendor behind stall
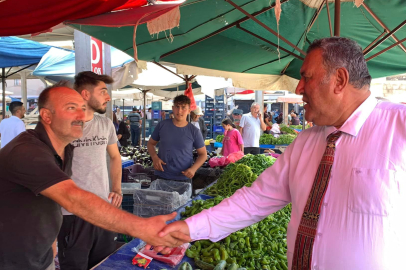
{"x": 177, "y": 138}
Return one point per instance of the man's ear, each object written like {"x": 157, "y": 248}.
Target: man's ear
{"x": 85, "y": 94}
{"x": 342, "y": 80}
{"x": 46, "y": 115}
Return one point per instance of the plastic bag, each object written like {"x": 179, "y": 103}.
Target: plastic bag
{"x": 189, "y": 94}
{"x": 233, "y": 157}
{"x": 173, "y": 258}
{"x": 218, "y": 162}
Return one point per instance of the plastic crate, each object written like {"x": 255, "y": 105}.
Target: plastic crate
{"x": 156, "y": 105}
{"x": 219, "y": 98}
{"x": 218, "y": 129}
{"x": 129, "y": 188}
{"x": 127, "y": 163}
{"x": 162, "y": 197}
{"x": 128, "y": 203}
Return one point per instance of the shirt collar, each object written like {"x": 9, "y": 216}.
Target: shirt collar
{"x": 43, "y": 136}
{"x": 357, "y": 119}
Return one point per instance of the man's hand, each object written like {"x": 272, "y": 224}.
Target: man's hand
{"x": 172, "y": 237}
{"x": 158, "y": 164}
{"x": 116, "y": 198}
{"x": 177, "y": 228}
{"x": 189, "y": 173}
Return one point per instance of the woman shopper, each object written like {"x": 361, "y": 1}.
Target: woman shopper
{"x": 122, "y": 131}
{"x": 232, "y": 141}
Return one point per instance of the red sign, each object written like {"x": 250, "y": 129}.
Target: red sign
{"x": 97, "y": 55}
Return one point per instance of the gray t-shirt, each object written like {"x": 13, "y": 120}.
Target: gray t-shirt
{"x": 89, "y": 164}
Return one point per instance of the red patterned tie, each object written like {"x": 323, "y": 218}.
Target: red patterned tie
{"x": 306, "y": 233}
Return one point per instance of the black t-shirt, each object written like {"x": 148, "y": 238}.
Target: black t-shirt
{"x": 30, "y": 222}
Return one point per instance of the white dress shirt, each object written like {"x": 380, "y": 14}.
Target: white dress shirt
{"x": 10, "y": 128}
{"x": 362, "y": 221}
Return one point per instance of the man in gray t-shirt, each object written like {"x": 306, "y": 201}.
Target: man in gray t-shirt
{"x": 82, "y": 245}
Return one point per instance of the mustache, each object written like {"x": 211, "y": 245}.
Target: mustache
{"x": 77, "y": 123}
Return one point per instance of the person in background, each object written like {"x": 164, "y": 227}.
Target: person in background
{"x": 267, "y": 119}
{"x": 295, "y": 119}
{"x": 345, "y": 177}
{"x": 149, "y": 113}
{"x": 232, "y": 141}
{"x": 198, "y": 121}
{"x": 171, "y": 116}
{"x": 13, "y": 126}
{"x": 77, "y": 237}
{"x": 31, "y": 195}
{"x": 135, "y": 124}
{"x": 119, "y": 115}
{"x": 290, "y": 117}
{"x": 177, "y": 138}
{"x": 251, "y": 125}
{"x": 122, "y": 131}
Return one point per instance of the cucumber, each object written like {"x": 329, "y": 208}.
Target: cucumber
{"x": 221, "y": 265}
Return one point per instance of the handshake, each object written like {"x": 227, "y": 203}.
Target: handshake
{"x": 155, "y": 232}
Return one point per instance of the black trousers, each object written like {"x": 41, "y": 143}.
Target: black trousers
{"x": 251, "y": 150}
{"x": 82, "y": 245}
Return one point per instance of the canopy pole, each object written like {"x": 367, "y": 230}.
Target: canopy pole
{"x": 3, "y": 83}
{"x": 304, "y": 120}
{"x": 269, "y": 42}
{"x": 123, "y": 109}
{"x": 221, "y": 30}
{"x": 376, "y": 18}
{"x": 265, "y": 26}
{"x": 337, "y": 11}
{"x": 145, "y": 116}
{"x": 329, "y": 19}
{"x": 385, "y": 37}
{"x": 316, "y": 15}
{"x": 373, "y": 42}
{"x": 23, "y": 75}
{"x": 167, "y": 69}
{"x": 387, "y": 49}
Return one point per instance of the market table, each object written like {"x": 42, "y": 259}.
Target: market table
{"x": 122, "y": 258}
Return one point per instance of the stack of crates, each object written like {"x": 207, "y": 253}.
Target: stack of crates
{"x": 156, "y": 113}
{"x": 219, "y": 115}
{"x": 208, "y": 116}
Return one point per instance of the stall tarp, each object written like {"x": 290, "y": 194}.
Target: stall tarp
{"x": 16, "y": 51}
{"x": 231, "y": 49}
{"x": 291, "y": 99}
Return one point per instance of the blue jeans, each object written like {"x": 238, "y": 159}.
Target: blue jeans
{"x": 135, "y": 135}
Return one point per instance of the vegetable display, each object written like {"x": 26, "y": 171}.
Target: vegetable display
{"x": 219, "y": 138}
{"x": 299, "y": 126}
{"x": 257, "y": 163}
{"x": 138, "y": 153}
{"x": 287, "y": 130}
{"x": 234, "y": 177}
{"x": 259, "y": 246}
{"x": 282, "y": 139}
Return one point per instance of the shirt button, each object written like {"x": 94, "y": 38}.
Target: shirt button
{"x": 325, "y": 204}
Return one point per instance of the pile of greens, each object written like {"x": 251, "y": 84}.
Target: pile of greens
{"x": 257, "y": 163}
{"x": 282, "y": 139}
{"x": 286, "y": 130}
{"x": 242, "y": 173}
{"x": 259, "y": 246}
{"x": 299, "y": 126}
{"x": 234, "y": 177}
{"x": 219, "y": 138}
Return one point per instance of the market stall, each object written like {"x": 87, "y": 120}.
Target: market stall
{"x": 260, "y": 246}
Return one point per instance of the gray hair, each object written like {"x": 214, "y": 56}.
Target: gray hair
{"x": 341, "y": 52}
{"x": 254, "y": 104}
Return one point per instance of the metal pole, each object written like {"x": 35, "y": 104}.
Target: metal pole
{"x": 329, "y": 19}
{"x": 304, "y": 120}
{"x": 385, "y": 37}
{"x": 145, "y": 116}
{"x": 3, "y": 82}
{"x": 387, "y": 49}
{"x": 337, "y": 11}
{"x": 382, "y": 25}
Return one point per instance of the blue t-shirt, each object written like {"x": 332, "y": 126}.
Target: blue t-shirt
{"x": 176, "y": 148}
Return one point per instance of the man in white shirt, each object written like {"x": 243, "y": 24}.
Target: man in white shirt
{"x": 251, "y": 125}
{"x": 360, "y": 196}
{"x": 11, "y": 127}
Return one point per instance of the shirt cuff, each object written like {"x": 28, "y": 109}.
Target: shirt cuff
{"x": 198, "y": 226}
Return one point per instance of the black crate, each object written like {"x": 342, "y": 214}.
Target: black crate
{"x": 128, "y": 203}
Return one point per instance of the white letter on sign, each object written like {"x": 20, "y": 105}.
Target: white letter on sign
{"x": 97, "y": 52}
